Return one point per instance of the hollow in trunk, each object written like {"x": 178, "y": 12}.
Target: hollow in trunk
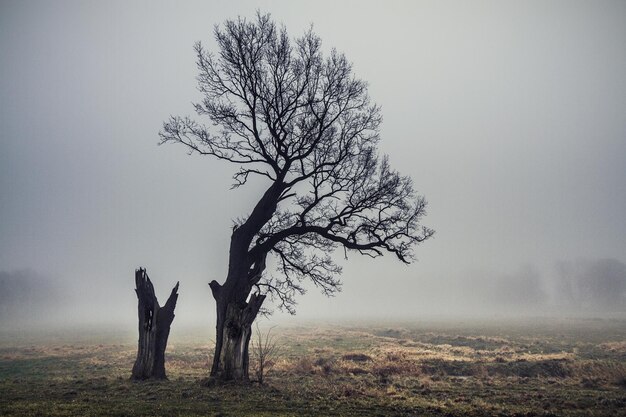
{"x": 234, "y": 329}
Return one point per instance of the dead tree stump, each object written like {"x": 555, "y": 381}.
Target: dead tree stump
{"x": 154, "y": 328}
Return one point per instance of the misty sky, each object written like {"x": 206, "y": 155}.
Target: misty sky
{"x": 509, "y": 116}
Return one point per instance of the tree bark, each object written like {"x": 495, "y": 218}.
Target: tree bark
{"x": 237, "y": 307}
{"x": 233, "y": 332}
{"x": 154, "y": 328}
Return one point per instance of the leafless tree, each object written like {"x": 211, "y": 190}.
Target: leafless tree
{"x": 281, "y": 110}
{"x": 265, "y": 351}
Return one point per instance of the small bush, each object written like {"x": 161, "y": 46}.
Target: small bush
{"x": 264, "y": 352}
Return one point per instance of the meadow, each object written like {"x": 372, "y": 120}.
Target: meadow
{"x": 543, "y": 367}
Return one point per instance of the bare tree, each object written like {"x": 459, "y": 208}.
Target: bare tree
{"x": 281, "y": 110}
{"x": 264, "y": 350}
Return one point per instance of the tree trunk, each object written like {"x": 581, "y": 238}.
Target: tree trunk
{"x": 154, "y": 328}
{"x": 236, "y": 306}
{"x": 234, "y": 329}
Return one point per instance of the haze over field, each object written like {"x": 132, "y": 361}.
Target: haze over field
{"x": 510, "y": 118}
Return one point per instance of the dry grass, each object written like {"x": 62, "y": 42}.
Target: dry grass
{"x": 344, "y": 371}
{"x": 615, "y": 347}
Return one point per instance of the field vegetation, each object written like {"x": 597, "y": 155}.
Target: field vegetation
{"x": 545, "y": 368}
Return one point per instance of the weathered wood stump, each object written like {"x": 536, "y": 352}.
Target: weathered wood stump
{"x": 154, "y": 328}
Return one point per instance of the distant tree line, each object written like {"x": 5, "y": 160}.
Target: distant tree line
{"x": 593, "y": 285}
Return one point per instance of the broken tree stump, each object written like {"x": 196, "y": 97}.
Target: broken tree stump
{"x": 154, "y": 328}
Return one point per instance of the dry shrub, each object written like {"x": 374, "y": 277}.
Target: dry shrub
{"x": 265, "y": 352}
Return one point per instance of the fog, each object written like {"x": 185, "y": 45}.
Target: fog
{"x": 510, "y": 118}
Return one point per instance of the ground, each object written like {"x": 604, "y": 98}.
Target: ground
{"x": 495, "y": 368}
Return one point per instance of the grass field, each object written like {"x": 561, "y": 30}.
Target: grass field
{"x": 548, "y": 368}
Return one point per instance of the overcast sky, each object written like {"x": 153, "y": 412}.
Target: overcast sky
{"x": 509, "y": 116}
